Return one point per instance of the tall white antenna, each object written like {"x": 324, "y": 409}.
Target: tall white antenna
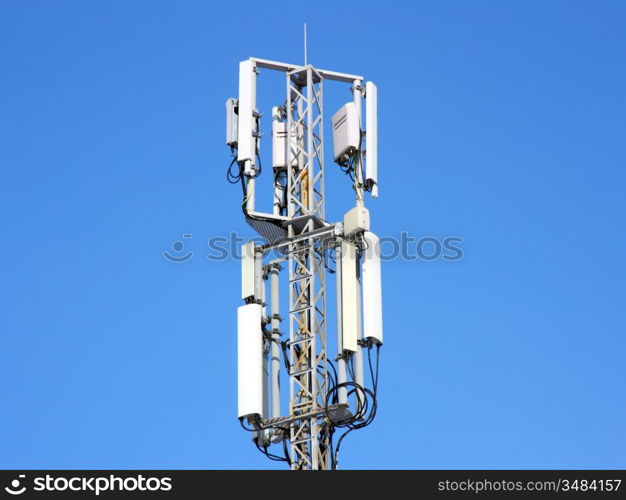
{"x": 305, "y": 55}
{"x": 327, "y": 390}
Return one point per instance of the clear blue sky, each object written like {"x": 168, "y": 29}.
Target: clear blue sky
{"x": 501, "y": 122}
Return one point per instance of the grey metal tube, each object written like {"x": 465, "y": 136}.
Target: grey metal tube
{"x": 358, "y": 355}
{"x": 277, "y": 191}
{"x": 341, "y": 362}
{"x": 250, "y": 194}
{"x": 358, "y": 174}
{"x": 275, "y": 357}
{"x": 259, "y": 295}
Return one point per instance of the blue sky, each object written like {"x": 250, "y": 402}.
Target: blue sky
{"x": 500, "y": 122}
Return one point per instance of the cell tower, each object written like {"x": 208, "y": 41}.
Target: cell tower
{"x": 327, "y": 393}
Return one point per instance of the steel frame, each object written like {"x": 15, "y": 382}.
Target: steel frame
{"x": 308, "y": 375}
{"x": 307, "y": 291}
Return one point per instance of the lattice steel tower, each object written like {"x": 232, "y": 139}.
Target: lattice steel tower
{"x": 326, "y": 392}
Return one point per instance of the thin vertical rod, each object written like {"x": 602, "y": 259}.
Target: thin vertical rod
{"x": 310, "y": 95}
{"x": 305, "y": 48}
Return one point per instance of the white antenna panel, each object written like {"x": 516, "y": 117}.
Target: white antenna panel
{"x": 349, "y": 298}
{"x": 246, "y": 134}
{"x": 371, "y": 136}
{"x": 249, "y": 360}
{"x": 247, "y": 270}
{"x": 372, "y": 292}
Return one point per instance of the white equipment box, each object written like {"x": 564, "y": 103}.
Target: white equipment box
{"x": 279, "y": 145}
{"x": 356, "y": 220}
{"x": 232, "y": 117}
{"x": 346, "y": 132}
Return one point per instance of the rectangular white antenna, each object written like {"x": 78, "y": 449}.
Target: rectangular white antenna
{"x": 349, "y": 297}
{"x": 247, "y": 270}
{"x": 249, "y": 360}
{"x": 246, "y": 133}
{"x": 371, "y": 136}
{"x": 372, "y": 292}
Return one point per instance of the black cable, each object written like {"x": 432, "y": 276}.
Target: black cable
{"x": 335, "y": 378}
{"x": 285, "y": 355}
{"x": 327, "y": 259}
{"x": 366, "y": 405}
{"x": 278, "y": 176}
{"x": 258, "y": 427}
{"x": 249, "y": 429}
{"x": 258, "y": 170}
{"x": 233, "y": 178}
{"x": 269, "y": 455}
{"x": 373, "y": 374}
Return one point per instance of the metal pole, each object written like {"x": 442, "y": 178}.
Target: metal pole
{"x": 260, "y": 296}
{"x": 278, "y": 193}
{"x": 305, "y": 62}
{"x": 358, "y": 187}
{"x": 358, "y": 174}
{"x": 341, "y": 361}
{"x": 310, "y": 152}
{"x": 250, "y": 194}
{"x": 275, "y": 297}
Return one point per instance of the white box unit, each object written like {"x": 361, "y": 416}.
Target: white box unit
{"x": 279, "y": 145}
{"x": 249, "y": 361}
{"x": 372, "y": 294}
{"x": 346, "y": 132}
{"x": 350, "y": 296}
{"x": 246, "y": 133}
{"x": 247, "y": 270}
{"x": 371, "y": 137}
{"x": 356, "y": 220}
{"x": 231, "y": 121}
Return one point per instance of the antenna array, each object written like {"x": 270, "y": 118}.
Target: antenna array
{"x": 327, "y": 393}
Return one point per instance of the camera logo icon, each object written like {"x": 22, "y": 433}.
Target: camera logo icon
{"x": 178, "y": 247}
{"x": 15, "y": 489}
